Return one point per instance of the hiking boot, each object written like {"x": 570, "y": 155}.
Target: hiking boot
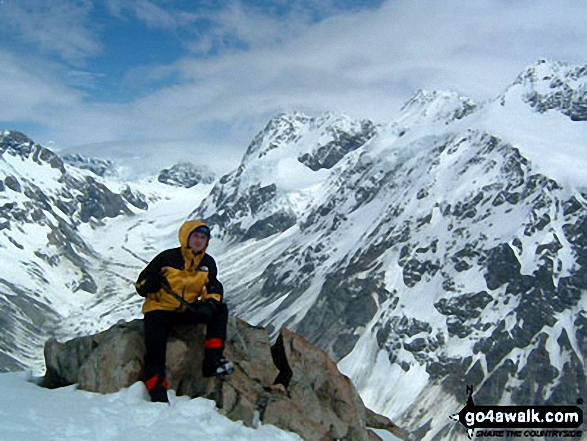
{"x": 218, "y": 367}
{"x": 157, "y": 388}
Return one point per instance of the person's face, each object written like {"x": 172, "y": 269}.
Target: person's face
{"x": 197, "y": 242}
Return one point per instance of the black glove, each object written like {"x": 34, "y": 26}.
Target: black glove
{"x": 151, "y": 284}
{"x": 213, "y": 304}
{"x": 209, "y": 308}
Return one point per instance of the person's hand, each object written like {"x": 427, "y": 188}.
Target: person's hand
{"x": 151, "y": 285}
{"x": 208, "y": 308}
{"x": 213, "y": 304}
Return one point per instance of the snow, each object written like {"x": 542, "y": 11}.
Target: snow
{"x": 29, "y": 412}
{"x": 151, "y": 231}
{"x": 293, "y": 175}
{"x": 369, "y": 367}
{"x": 551, "y": 141}
{"x": 40, "y": 174}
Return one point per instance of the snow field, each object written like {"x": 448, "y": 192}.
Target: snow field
{"x": 31, "y": 413}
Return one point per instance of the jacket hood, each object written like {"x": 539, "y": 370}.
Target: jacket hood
{"x": 191, "y": 259}
{"x": 186, "y": 229}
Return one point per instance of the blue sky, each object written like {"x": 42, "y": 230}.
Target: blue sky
{"x": 191, "y": 78}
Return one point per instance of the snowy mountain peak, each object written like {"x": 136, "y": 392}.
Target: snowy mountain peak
{"x": 548, "y": 85}
{"x": 444, "y": 250}
{"x": 291, "y": 132}
{"x": 436, "y": 106}
{"x": 17, "y": 144}
{"x": 279, "y": 130}
{"x": 282, "y": 171}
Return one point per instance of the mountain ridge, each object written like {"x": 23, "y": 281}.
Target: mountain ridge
{"x": 433, "y": 203}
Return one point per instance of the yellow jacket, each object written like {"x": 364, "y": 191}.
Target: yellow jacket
{"x": 190, "y": 275}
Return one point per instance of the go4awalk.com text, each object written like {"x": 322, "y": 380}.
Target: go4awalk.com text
{"x": 520, "y": 421}
{"x": 532, "y": 434}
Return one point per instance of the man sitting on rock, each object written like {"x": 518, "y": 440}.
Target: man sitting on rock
{"x": 180, "y": 286}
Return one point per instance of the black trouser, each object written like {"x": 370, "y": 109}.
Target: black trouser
{"x": 158, "y": 325}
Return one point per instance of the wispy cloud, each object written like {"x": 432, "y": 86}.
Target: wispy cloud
{"x": 62, "y": 27}
{"x": 154, "y": 14}
{"x": 31, "y": 93}
{"x": 244, "y": 61}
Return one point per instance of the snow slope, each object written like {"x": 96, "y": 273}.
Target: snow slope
{"x": 31, "y": 413}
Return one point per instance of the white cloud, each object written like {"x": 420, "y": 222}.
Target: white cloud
{"x": 365, "y": 63}
{"x": 368, "y": 63}
{"x": 29, "y": 91}
{"x": 60, "y": 26}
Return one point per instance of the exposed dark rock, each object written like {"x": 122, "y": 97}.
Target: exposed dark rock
{"x": 12, "y": 183}
{"x": 539, "y": 369}
{"x": 97, "y": 166}
{"x": 502, "y": 266}
{"x": 344, "y": 304}
{"x": 327, "y": 156}
{"x": 464, "y": 306}
{"x": 98, "y": 202}
{"x": 415, "y": 270}
{"x": 135, "y": 198}
{"x": 276, "y": 223}
{"x": 185, "y": 174}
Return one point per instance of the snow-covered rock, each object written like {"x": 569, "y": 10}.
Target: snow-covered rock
{"x": 185, "y": 174}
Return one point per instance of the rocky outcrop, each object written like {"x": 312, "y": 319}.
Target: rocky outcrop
{"x": 565, "y": 89}
{"x": 292, "y": 384}
{"x": 330, "y": 154}
{"x": 185, "y": 174}
{"x": 98, "y": 166}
